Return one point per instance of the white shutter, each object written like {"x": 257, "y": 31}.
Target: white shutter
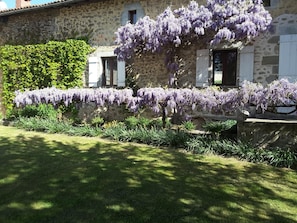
{"x": 202, "y": 64}
{"x": 288, "y": 62}
{"x": 246, "y": 64}
{"x": 121, "y": 74}
{"x": 93, "y": 72}
{"x": 288, "y": 57}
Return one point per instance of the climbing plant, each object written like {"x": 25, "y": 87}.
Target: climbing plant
{"x": 216, "y": 22}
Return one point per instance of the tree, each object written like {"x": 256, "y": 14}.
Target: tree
{"x": 219, "y": 21}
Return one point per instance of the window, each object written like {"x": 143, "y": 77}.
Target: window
{"x": 110, "y": 72}
{"x": 224, "y": 67}
{"x": 267, "y": 3}
{"x": 132, "y": 16}
{"x": 131, "y": 13}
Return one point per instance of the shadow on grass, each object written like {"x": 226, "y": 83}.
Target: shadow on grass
{"x": 110, "y": 182}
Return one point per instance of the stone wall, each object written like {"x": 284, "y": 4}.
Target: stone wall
{"x": 96, "y": 20}
{"x": 284, "y": 22}
{"x": 150, "y": 70}
{"x": 268, "y": 133}
{"x": 27, "y": 28}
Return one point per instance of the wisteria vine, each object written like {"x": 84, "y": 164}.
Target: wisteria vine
{"x": 218, "y": 20}
{"x": 211, "y": 99}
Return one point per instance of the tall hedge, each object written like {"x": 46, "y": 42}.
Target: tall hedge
{"x": 29, "y": 67}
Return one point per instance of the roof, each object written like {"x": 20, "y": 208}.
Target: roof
{"x": 54, "y": 4}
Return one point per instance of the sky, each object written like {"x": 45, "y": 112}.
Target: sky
{"x": 11, "y": 3}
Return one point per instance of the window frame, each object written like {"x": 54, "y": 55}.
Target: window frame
{"x": 224, "y": 78}
{"x": 112, "y": 62}
{"x": 129, "y": 8}
{"x": 132, "y": 16}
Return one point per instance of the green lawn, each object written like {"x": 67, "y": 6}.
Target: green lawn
{"x": 60, "y": 179}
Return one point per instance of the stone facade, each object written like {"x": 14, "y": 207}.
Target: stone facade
{"x": 266, "y": 66}
{"x": 150, "y": 70}
{"x": 93, "y": 20}
{"x": 97, "y": 21}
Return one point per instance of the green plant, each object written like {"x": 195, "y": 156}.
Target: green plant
{"x": 144, "y": 122}
{"x": 273, "y": 156}
{"x": 219, "y": 126}
{"x": 28, "y": 67}
{"x": 156, "y": 123}
{"x": 70, "y": 113}
{"x": 131, "y": 122}
{"x": 97, "y": 121}
{"x": 150, "y": 136}
{"x": 55, "y": 126}
{"x": 45, "y": 111}
{"x": 188, "y": 125}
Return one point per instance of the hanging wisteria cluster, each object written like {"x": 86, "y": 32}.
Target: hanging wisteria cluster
{"x": 219, "y": 20}
{"x": 100, "y": 96}
{"x": 278, "y": 93}
{"x": 211, "y": 99}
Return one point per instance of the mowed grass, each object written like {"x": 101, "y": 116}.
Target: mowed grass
{"x": 56, "y": 178}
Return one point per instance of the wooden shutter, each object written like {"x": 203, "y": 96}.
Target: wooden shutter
{"x": 202, "y": 65}
{"x": 288, "y": 57}
{"x": 246, "y": 64}
{"x": 93, "y": 72}
{"x": 121, "y": 74}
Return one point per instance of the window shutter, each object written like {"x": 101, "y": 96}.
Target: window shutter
{"x": 121, "y": 74}
{"x": 202, "y": 64}
{"x": 93, "y": 72}
{"x": 246, "y": 64}
{"x": 288, "y": 57}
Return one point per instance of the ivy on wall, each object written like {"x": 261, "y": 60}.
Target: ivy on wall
{"x": 29, "y": 67}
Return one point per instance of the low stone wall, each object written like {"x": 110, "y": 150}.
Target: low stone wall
{"x": 268, "y": 133}
{"x": 113, "y": 112}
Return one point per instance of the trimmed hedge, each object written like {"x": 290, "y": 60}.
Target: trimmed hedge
{"x": 29, "y": 67}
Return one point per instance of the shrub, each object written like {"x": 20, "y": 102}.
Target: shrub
{"x": 188, "y": 125}
{"x": 45, "y": 111}
{"x": 84, "y": 130}
{"x": 150, "y": 136}
{"x": 70, "y": 113}
{"x": 219, "y": 126}
{"x": 144, "y": 122}
{"x": 114, "y": 130}
{"x": 97, "y": 121}
{"x": 43, "y": 125}
{"x": 273, "y": 156}
{"x": 55, "y": 126}
{"x": 59, "y": 64}
{"x": 131, "y": 122}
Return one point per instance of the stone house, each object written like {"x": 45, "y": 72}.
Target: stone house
{"x": 273, "y": 54}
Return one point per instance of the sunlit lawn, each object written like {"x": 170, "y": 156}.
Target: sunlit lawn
{"x": 59, "y": 179}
